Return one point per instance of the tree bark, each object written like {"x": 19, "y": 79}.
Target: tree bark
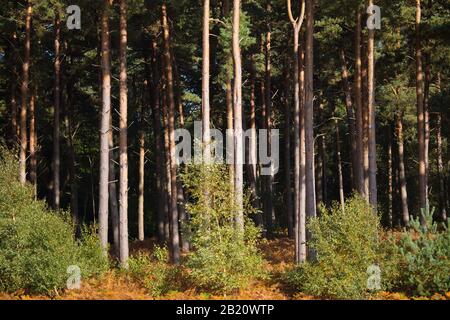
{"x": 33, "y": 141}
{"x": 56, "y": 156}
{"x": 175, "y": 241}
{"x": 123, "y": 145}
{"x": 440, "y": 165}
{"x": 339, "y": 165}
{"x": 104, "y": 127}
{"x": 423, "y": 193}
{"x": 24, "y": 96}
{"x": 206, "y": 134}
{"x": 238, "y": 134}
{"x": 287, "y": 150}
{"x": 299, "y": 168}
{"x": 402, "y": 174}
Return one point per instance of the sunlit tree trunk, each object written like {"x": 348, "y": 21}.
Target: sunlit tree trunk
{"x": 423, "y": 198}
{"x": 123, "y": 144}
{"x": 440, "y": 164}
{"x": 104, "y": 127}
{"x": 339, "y": 165}
{"x": 24, "y": 95}
{"x": 238, "y": 134}
{"x": 299, "y": 176}
{"x": 402, "y": 174}
{"x": 206, "y": 135}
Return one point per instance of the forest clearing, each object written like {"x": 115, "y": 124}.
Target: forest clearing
{"x": 224, "y": 150}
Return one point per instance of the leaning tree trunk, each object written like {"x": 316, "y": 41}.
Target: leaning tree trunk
{"x": 175, "y": 239}
{"x": 123, "y": 144}
{"x": 238, "y": 134}
{"x": 24, "y": 96}
{"x": 56, "y": 157}
{"x": 104, "y": 128}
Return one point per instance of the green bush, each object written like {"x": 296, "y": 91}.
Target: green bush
{"x": 155, "y": 273}
{"x": 421, "y": 259}
{"x": 223, "y": 259}
{"x": 346, "y": 244}
{"x": 36, "y": 245}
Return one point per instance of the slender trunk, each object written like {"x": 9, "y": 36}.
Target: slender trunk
{"x": 112, "y": 189}
{"x": 123, "y": 144}
{"x": 339, "y": 164}
{"x": 440, "y": 164}
{"x": 287, "y": 151}
{"x": 33, "y": 141}
{"x": 175, "y": 241}
{"x": 24, "y": 96}
{"x": 309, "y": 120}
{"x": 373, "y": 199}
{"x": 104, "y": 127}
{"x": 237, "y": 98}
{"x": 299, "y": 168}
{"x": 390, "y": 180}
{"x": 56, "y": 157}
{"x": 270, "y": 214}
{"x": 365, "y": 133}
{"x": 13, "y": 87}
{"x": 206, "y": 135}
{"x": 141, "y": 184}
{"x": 423, "y": 199}
{"x": 351, "y": 123}
{"x": 402, "y": 174}
{"x": 154, "y": 87}
{"x": 358, "y": 171}
{"x": 426, "y": 97}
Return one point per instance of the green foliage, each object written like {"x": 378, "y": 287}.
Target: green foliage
{"x": 36, "y": 245}
{"x": 421, "y": 259}
{"x": 347, "y": 245}
{"x": 154, "y": 272}
{"x": 223, "y": 259}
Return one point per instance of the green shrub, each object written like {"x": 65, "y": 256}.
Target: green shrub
{"x": 223, "y": 259}
{"x": 36, "y": 245}
{"x": 346, "y": 244}
{"x": 421, "y": 259}
{"x": 155, "y": 273}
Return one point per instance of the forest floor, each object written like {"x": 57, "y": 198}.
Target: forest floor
{"x": 117, "y": 286}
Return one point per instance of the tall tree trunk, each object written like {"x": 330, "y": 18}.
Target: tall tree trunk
{"x": 351, "y": 123}
{"x": 123, "y": 144}
{"x": 154, "y": 93}
{"x": 104, "y": 127}
{"x": 238, "y": 134}
{"x": 373, "y": 199}
{"x": 299, "y": 168}
{"x": 402, "y": 174}
{"x": 287, "y": 149}
{"x": 206, "y": 135}
{"x": 175, "y": 241}
{"x": 423, "y": 193}
{"x": 365, "y": 132}
{"x": 13, "y": 94}
{"x": 426, "y": 98}
{"x": 358, "y": 171}
{"x": 33, "y": 141}
{"x": 390, "y": 179}
{"x": 270, "y": 214}
{"x": 56, "y": 157}
{"x": 112, "y": 189}
{"x": 24, "y": 96}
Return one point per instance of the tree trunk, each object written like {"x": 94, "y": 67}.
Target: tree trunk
{"x": 423, "y": 193}
{"x": 56, "y": 157}
{"x": 365, "y": 133}
{"x": 390, "y": 175}
{"x": 104, "y": 127}
{"x": 13, "y": 95}
{"x": 123, "y": 144}
{"x": 402, "y": 174}
{"x": 33, "y": 141}
{"x": 358, "y": 171}
{"x": 24, "y": 96}
{"x": 351, "y": 123}
{"x": 373, "y": 199}
{"x": 238, "y": 134}
{"x": 112, "y": 189}
{"x": 339, "y": 164}
{"x": 270, "y": 214}
{"x": 299, "y": 168}
{"x": 175, "y": 241}
{"x": 440, "y": 164}
{"x": 287, "y": 150}
{"x": 206, "y": 135}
